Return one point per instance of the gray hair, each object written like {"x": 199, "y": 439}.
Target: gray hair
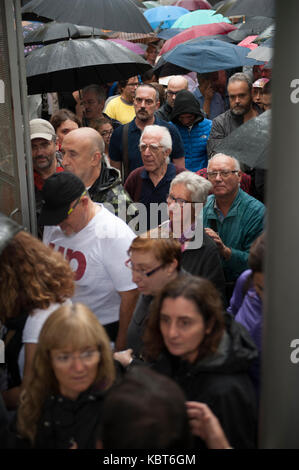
{"x": 97, "y": 90}
{"x": 240, "y": 77}
{"x": 165, "y": 141}
{"x": 148, "y": 85}
{"x": 198, "y": 186}
{"x": 237, "y": 163}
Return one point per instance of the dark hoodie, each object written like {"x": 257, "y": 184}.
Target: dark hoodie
{"x": 108, "y": 188}
{"x": 194, "y": 137}
{"x": 221, "y": 380}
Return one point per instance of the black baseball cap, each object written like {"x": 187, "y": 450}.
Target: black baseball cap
{"x": 59, "y": 191}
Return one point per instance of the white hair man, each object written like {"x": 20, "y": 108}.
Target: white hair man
{"x": 149, "y": 184}
{"x": 233, "y": 218}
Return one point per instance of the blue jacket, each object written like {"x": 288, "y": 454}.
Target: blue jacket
{"x": 195, "y": 136}
{"x": 238, "y": 230}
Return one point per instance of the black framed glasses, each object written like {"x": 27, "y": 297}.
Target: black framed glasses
{"x": 76, "y": 203}
{"x": 178, "y": 200}
{"x": 129, "y": 265}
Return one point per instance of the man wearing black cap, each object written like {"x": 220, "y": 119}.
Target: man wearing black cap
{"x": 95, "y": 242}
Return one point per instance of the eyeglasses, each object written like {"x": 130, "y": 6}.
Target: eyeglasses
{"x": 224, "y": 173}
{"x": 106, "y": 133}
{"x": 172, "y": 93}
{"x": 181, "y": 202}
{"x": 86, "y": 357}
{"x": 129, "y": 265}
{"x": 154, "y": 148}
{"x": 76, "y": 203}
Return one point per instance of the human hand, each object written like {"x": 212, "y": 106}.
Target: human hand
{"x": 124, "y": 357}
{"x": 205, "y": 425}
{"x": 225, "y": 251}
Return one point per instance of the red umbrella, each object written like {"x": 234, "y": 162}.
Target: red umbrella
{"x": 193, "y": 5}
{"x": 247, "y": 42}
{"x": 196, "y": 31}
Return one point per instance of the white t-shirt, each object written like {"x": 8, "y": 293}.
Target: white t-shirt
{"x": 97, "y": 255}
{"x": 33, "y": 326}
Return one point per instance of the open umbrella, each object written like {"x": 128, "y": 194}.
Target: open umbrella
{"x": 71, "y": 65}
{"x": 267, "y": 34}
{"x": 54, "y": 32}
{"x": 196, "y": 31}
{"x": 250, "y": 142}
{"x": 199, "y": 17}
{"x": 117, "y": 15}
{"x": 129, "y": 45}
{"x": 208, "y": 56}
{"x": 164, "y": 16}
{"x": 193, "y": 5}
{"x": 169, "y": 33}
{"x": 223, "y": 7}
{"x": 253, "y": 26}
{"x": 264, "y": 52}
{"x": 252, "y": 8}
{"x": 248, "y": 42}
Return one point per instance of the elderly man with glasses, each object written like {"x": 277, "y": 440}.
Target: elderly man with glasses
{"x": 95, "y": 242}
{"x": 149, "y": 184}
{"x": 233, "y": 218}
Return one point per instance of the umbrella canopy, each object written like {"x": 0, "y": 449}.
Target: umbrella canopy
{"x": 223, "y": 7}
{"x": 169, "y": 33}
{"x": 164, "y": 16}
{"x": 267, "y": 34}
{"x": 193, "y": 5}
{"x": 71, "y": 65}
{"x": 248, "y": 42}
{"x": 208, "y": 56}
{"x": 262, "y": 53}
{"x": 117, "y": 15}
{"x": 129, "y": 45}
{"x": 150, "y": 4}
{"x": 250, "y": 142}
{"x": 199, "y": 17}
{"x": 54, "y": 32}
{"x": 196, "y": 31}
{"x": 252, "y": 8}
{"x": 253, "y": 26}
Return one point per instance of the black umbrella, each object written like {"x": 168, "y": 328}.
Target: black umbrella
{"x": 252, "y": 8}
{"x": 54, "y": 32}
{"x": 71, "y": 65}
{"x": 117, "y": 15}
{"x": 253, "y": 26}
{"x": 250, "y": 142}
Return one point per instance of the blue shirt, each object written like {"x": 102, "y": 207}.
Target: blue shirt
{"x": 217, "y": 104}
{"x": 134, "y": 134}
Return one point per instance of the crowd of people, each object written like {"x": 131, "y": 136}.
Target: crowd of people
{"x": 134, "y": 319}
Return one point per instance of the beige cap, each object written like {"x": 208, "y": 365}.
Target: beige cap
{"x": 40, "y": 128}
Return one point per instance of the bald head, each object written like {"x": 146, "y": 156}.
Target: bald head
{"x": 175, "y": 85}
{"x": 82, "y": 152}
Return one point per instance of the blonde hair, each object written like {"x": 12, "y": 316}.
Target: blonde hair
{"x": 72, "y": 326}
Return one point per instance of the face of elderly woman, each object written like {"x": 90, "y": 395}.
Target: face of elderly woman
{"x": 76, "y": 370}
{"x": 182, "y": 327}
{"x": 180, "y": 209}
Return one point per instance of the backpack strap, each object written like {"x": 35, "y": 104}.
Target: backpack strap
{"x": 125, "y": 138}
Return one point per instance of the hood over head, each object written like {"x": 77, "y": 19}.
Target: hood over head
{"x": 186, "y": 102}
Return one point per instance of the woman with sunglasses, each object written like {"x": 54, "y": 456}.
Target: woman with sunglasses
{"x": 73, "y": 367}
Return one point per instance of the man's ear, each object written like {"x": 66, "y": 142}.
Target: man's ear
{"x": 157, "y": 104}
{"x": 96, "y": 158}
